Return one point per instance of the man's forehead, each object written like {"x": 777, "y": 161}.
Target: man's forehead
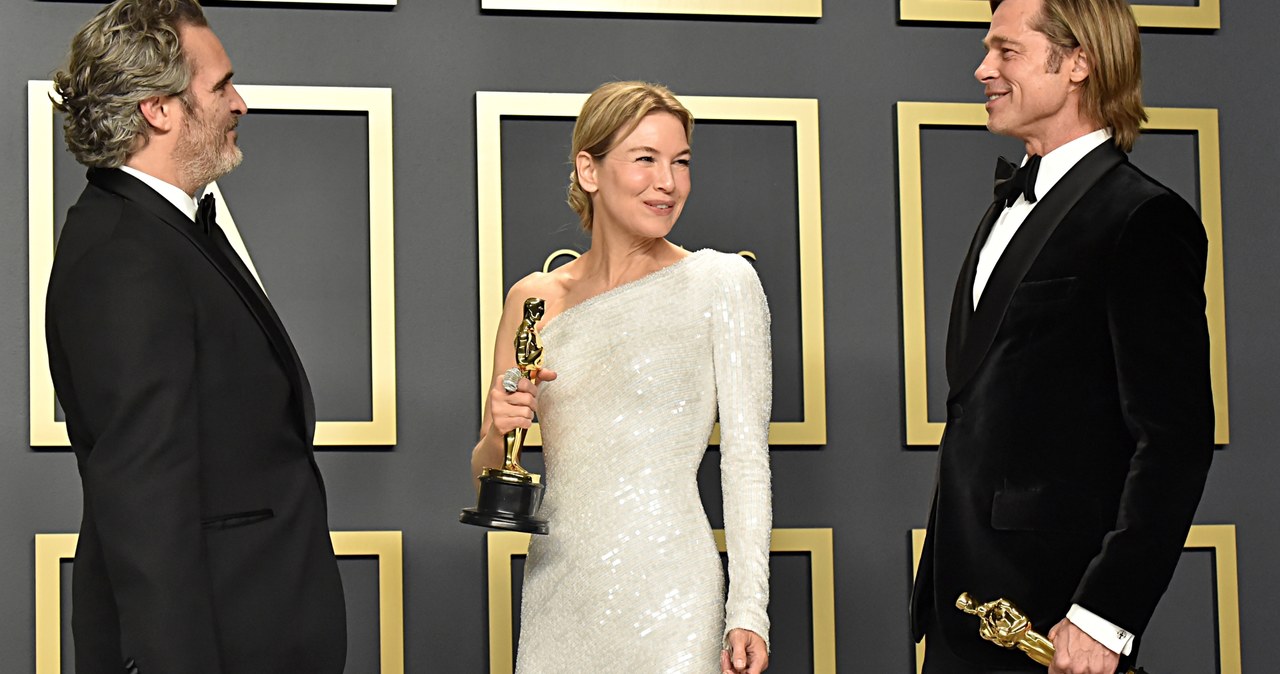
{"x": 204, "y": 52}
{"x": 1010, "y": 29}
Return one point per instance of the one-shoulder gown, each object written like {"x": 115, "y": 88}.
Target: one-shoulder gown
{"x": 629, "y": 579}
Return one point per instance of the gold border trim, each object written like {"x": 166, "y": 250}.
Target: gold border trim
{"x": 1221, "y": 538}
{"x": 492, "y": 106}
{"x": 505, "y": 545}
{"x": 1206, "y": 15}
{"x": 912, "y": 118}
{"x": 387, "y": 546}
{"x": 377, "y": 104}
{"x": 781, "y": 8}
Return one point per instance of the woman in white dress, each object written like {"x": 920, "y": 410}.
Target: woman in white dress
{"x": 644, "y": 344}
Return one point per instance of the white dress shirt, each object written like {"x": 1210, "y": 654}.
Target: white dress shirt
{"x": 1052, "y": 167}
{"x": 174, "y": 194}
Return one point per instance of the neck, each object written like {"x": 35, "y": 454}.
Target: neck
{"x": 157, "y": 162}
{"x": 1054, "y": 138}
{"x": 1066, "y": 125}
{"x": 614, "y": 262}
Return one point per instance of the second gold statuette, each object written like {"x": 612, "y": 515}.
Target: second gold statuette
{"x": 1003, "y": 624}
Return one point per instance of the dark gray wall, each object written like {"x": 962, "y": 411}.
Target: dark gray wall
{"x": 857, "y": 61}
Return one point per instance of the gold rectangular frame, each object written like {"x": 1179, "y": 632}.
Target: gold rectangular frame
{"x": 493, "y": 106}
{"x": 912, "y": 118}
{"x": 1221, "y": 538}
{"x": 1204, "y": 16}
{"x": 505, "y": 545}
{"x": 783, "y": 8}
{"x": 387, "y": 546}
{"x": 46, "y": 431}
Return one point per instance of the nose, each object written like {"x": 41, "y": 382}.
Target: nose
{"x": 238, "y": 106}
{"x": 665, "y": 180}
{"x": 986, "y": 70}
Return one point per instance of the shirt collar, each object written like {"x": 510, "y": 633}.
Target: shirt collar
{"x": 1056, "y": 164}
{"x": 174, "y": 194}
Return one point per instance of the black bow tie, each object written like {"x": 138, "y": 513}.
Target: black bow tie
{"x": 206, "y": 214}
{"x": 1013, "y": 181}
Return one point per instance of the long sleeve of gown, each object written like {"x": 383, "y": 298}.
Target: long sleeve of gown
{"x": 744, "y": 388}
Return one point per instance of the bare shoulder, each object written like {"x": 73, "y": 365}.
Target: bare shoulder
{"x": 553, "y": 287}
{"x": 545, "y": 286}
{"x": 538, "y": 284}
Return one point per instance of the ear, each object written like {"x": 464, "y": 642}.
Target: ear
{"x": 585, "y": 165}
{"x": 1080, "y": 66}
{"x": 160, "y": 112}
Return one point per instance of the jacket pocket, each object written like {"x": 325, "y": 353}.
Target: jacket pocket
{"x": 1048, "y": 509}
{"x": 1048, "y": 290}
{"x": 234, "y": 520}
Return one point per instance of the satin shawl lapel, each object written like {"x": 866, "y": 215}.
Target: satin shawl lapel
{"x": 247, "y": 285}
{"x": 962, "y": 301}
{"x": 1019, "y": 256}
{"x": 232, "y": 269}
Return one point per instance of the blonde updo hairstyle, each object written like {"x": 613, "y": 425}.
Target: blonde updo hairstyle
{"x": 610, "y": 114}
{"x": 126, "y": 54}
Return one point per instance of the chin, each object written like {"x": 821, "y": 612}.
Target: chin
{"x": 999, "y": 129}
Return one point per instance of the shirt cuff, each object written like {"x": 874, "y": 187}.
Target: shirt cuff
{"x": 1115, "y": 638}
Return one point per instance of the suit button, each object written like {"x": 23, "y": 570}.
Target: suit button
{"x": 955, "y": 410}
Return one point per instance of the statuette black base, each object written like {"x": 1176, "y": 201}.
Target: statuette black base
{"x": 507, "y": 505}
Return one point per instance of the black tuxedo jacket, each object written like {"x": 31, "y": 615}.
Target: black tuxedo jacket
{"x": 204, "y": 545}
{"x": 1079, "y": 416}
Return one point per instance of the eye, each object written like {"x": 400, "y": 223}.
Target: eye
{"x": 684, "y": 162}
{"x": 645, "y": 158}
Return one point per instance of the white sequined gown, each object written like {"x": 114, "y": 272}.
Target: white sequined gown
{"x": 629, "y": 579}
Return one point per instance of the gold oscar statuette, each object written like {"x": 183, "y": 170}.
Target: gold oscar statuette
{"x": 509, "y": 496}
{"x": 1001, "y": 623}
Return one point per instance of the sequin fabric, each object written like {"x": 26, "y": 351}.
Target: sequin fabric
{"x": 629, "y": 579}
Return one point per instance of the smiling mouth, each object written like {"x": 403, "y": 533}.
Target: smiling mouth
{"x": 992, "y": 97}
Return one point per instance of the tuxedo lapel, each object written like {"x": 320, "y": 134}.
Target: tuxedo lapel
{"x": 962, "y": 301}
{"x": 982, "y": 326}
{"x": 228, "y": 263}
{"x": 247, "y": 285}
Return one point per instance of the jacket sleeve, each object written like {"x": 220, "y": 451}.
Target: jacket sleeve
{"x": 1160, "y": 341}
{"x": 128, "y": 333}
{"x": 744, "y": 388}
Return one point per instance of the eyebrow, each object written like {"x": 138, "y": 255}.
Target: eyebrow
{"x": 652, "y": 150}
{"x": 987, "y": 42}
{"x": 223, "y": 82}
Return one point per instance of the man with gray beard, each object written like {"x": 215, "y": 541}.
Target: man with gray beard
{"x": 204, "y": 545}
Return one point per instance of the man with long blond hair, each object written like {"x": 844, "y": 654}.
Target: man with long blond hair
{"x": 204, "y": 545}
{"x": 1079, "y": 417}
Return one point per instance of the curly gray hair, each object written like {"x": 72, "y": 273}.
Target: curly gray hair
{"x": 126, "y": 54}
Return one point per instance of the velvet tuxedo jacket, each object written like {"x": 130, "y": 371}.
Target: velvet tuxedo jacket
{"x": 204, "y": 545}
{"x": 1079, "y": 414}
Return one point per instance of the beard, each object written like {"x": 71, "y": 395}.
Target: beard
{"x": 204, "y": 153}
